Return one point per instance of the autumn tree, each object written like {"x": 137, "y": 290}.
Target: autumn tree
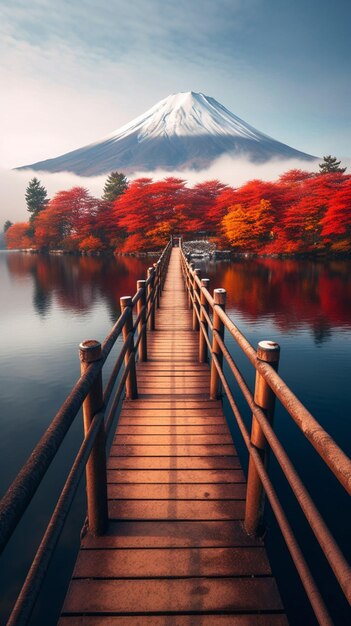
{"x": 205, "y": 215}
{"x": 36, "y": 198}
{"x": 337, "y": 221}
{"x": 237, "y": 228}
{"x": 68, "y": 218}
{"x": 330, "y": 164}
{"x": 116, "y": 184}
{"x": 151, "y": 210}
{"x": 249, "y": 228}
{"x": 16, "y": 236}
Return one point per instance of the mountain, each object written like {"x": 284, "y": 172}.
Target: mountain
{"x": 185, "y": 130}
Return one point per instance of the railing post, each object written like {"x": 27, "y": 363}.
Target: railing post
{"x": 196, "y": 307}
{"x": 190, "y": 284}
{"x": 157, "y": 283}
{"x": 131, "y": 381}
{"x": 267, "y": 351}
{"x": 141, "y": 310}
{"x": 150, "y": 306}
{"x": 219, "y": 296}
{"x": 96, "y": 476}
{"x": 205, "y": 282}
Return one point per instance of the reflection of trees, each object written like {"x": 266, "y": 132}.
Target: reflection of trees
{"x": 296, "y": 293}
{"x": 41, "y": 298}
{"x": 322, "y": 331}
{"x": 77, "y": 282}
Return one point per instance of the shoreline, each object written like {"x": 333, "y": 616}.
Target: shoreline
{"x": 217, "y": 255}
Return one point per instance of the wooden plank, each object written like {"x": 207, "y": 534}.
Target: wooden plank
{"x": 202, "y": 491}
{"x": 176, "y": 450}
{"x": 171, "y": 534}
{"x": 170, "y": 420}
{"x": 163, "y": 378}
{"x": 157, "y": 409}
{"x": 270, "y": 619}
{"x": 167, "y": 403}
{"x": 176, "y": 509}
{"x": 171, "y": 563}
{"x": 155, "y": 391}
{"x": 172, "y": 439}
{"x": 175, "y": 476}
{"x": 200, "y": 429}
{"x": 172, "y": 595}
{"x": 181, "y": 462}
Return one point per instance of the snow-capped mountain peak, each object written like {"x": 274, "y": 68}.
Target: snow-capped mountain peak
{"x": 187, "y": 114}
{"x": 184, "y": 131}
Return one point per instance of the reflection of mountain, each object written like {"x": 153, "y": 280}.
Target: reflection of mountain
{"x": 295, "y": 293}
{"x": 76, "y": 283}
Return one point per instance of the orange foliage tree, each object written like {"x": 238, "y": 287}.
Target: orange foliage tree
{"x": 18, "y": 236}
{"x": 246, "y": 229}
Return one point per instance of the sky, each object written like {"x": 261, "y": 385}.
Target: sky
{"x": 73, "y": 72}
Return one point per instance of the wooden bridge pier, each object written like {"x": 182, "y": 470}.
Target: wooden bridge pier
{"x": 175, "y": 552}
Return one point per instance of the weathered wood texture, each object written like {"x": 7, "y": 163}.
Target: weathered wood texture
{"x": 175, "y": 553}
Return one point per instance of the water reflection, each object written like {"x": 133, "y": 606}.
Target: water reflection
{"x": 294, "y": 294}
{"x": 76, "y": 283}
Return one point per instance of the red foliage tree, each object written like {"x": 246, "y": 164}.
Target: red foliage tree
{"x": 336, "y": 223}
{"x": 68, "y": 219}
{"x": 152, "y": 210}
{"x": 304, "y": 216}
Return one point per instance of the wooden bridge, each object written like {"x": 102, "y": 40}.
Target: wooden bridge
{"x": 172, "y": 531}
{"x": 174, "y": 543}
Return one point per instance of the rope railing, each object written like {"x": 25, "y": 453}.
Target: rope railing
{"x": 87, "y": 393}
{"x": 210, "y": 318}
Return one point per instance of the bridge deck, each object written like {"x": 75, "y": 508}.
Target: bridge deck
{"x": 175, "y": 553}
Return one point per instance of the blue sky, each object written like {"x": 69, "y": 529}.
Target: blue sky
{"x": 73, "y": 72}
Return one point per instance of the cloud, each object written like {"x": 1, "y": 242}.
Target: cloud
{"x": 236, "y": 172}
{"x": 117, "y": 27}
{"x": 13, "y": 185}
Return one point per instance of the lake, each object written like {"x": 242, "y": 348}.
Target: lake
{"x": 51, "y": 303}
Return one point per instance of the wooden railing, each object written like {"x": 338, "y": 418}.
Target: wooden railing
{"x": 210, "y": 319}
{"x": 99, "y": 409}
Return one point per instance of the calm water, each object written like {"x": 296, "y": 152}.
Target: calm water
{"x": 49, "y": 304}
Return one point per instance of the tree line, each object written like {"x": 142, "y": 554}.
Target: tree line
{"x": 300, "y": 212}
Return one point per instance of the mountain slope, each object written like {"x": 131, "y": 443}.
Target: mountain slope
{"x": 185, "y": 130}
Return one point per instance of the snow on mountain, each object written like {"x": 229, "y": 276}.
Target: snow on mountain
{"x": 185, "y": 130}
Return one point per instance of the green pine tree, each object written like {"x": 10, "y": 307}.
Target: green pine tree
{"x": 36, "y": 198}
{"x": 330, "y": 164}
{"x": 115, "y": 185}
{"x": 7, "y": 225}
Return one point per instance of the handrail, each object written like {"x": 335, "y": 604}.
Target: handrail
{"x": 269, "y": 385}
{"x": 87, "y": 389}
{"x": 327, "y": 448}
